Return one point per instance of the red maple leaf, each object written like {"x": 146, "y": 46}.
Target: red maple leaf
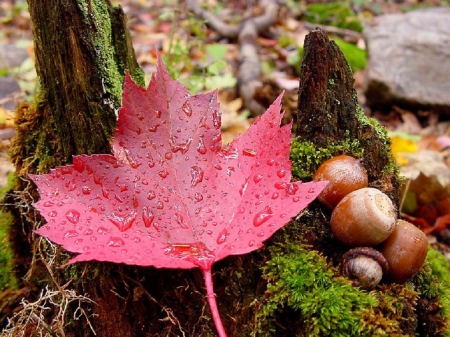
{"x": 171, "y": 196}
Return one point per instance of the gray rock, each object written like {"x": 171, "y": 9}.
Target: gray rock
{"x": 11, "y": 56}
{"x": 409, "y": 60}
{"x": 8, "y": 90}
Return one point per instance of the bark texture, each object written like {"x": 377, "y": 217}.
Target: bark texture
{"x": 329, "y": 114}
{"x": 82, "y": 50}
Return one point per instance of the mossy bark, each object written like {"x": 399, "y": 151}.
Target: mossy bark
{"x": 82, "y": 48}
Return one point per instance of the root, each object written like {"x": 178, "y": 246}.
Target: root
{"x": 33, "y": 320}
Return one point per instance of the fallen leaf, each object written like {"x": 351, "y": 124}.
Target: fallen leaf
{"x": 171, "y": 196}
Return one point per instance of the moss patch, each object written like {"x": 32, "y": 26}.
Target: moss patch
{"x": 302, "y": 282}
{"x": 433, "y": 284}
{"x": 7, "y": 279}
{"x": 306, "y": 156}
{"x": 303, "y": 286}
{"x": 97, "y": 12}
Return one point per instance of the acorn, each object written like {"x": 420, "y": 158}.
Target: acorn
{"x": 365, "y": 217}
{"x": 365, "y": 266}
{"x": 345, "y": 174}
{"x": 405, "y": 251}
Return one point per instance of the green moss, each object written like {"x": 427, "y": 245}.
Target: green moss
{"x": 306, "y": 156}
{"x": 302, "y": 282}
{"x": 439, "y": 266}
{"x": 391, "y": 168}
{"x": 98, "y": 12}
{"x": 433, "y": 283}
{"x": 7, "y": 280}
{"x": 302, "y": 286}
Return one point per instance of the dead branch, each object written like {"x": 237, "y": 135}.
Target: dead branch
{"x": 249, "y": 72}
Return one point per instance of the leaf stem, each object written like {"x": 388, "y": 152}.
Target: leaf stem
{"x": 212, "y": 302}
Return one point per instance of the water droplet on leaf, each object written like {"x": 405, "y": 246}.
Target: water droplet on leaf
{"x": 151, "y": 195}
{"x": 292, "y": 189}
{"x": 123, "y": 222}
{"x": 198, "y": 196}
{"x": 249, "y": 152}
{"x": 102, "y": 230}
{"x": 280, "y": 185}
{"x": 223, "y": 235}
{"x": 147, "y": 216}
{"x": 179, "y": 220}
{"x": 281, "y": 173}
{"x": 163, "y": 174}
{"x": 85, "y": 190}
{"x": 197, "y": 175}
{"x": 257, "y": 178}
{"x": 153, "y": 128}
{"x": 73, "y": 216}
{"x": 182, "y": 147}
{"x": 105, "y": 192}
{"x": 230, "y": 169}
{"x": 130, "y": 158}
{"x": 187, "y": 109}
{"x": 78, "y": 164}
{"x": 97, "y": 179}
{"x": 52, "y": 214}
{"x": 217, "y": 122}
{"x": 115, "y": 242}
{"x": 201, "y": 147}
{"x": 262, "y": 216}
{"x": 70, "y": 234}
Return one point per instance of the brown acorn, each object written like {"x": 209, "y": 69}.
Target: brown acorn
{"x": 405, "y": 251}
{"x": 345, "y": 174}
{"x": 365, "y": 217}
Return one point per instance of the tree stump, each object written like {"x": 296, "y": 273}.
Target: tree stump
{"x": 329, "y": 114}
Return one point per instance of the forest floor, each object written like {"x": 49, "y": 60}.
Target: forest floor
{"x": 203, "y": 60}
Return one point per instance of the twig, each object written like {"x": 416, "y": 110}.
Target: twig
{"x": 346, "y": 33}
